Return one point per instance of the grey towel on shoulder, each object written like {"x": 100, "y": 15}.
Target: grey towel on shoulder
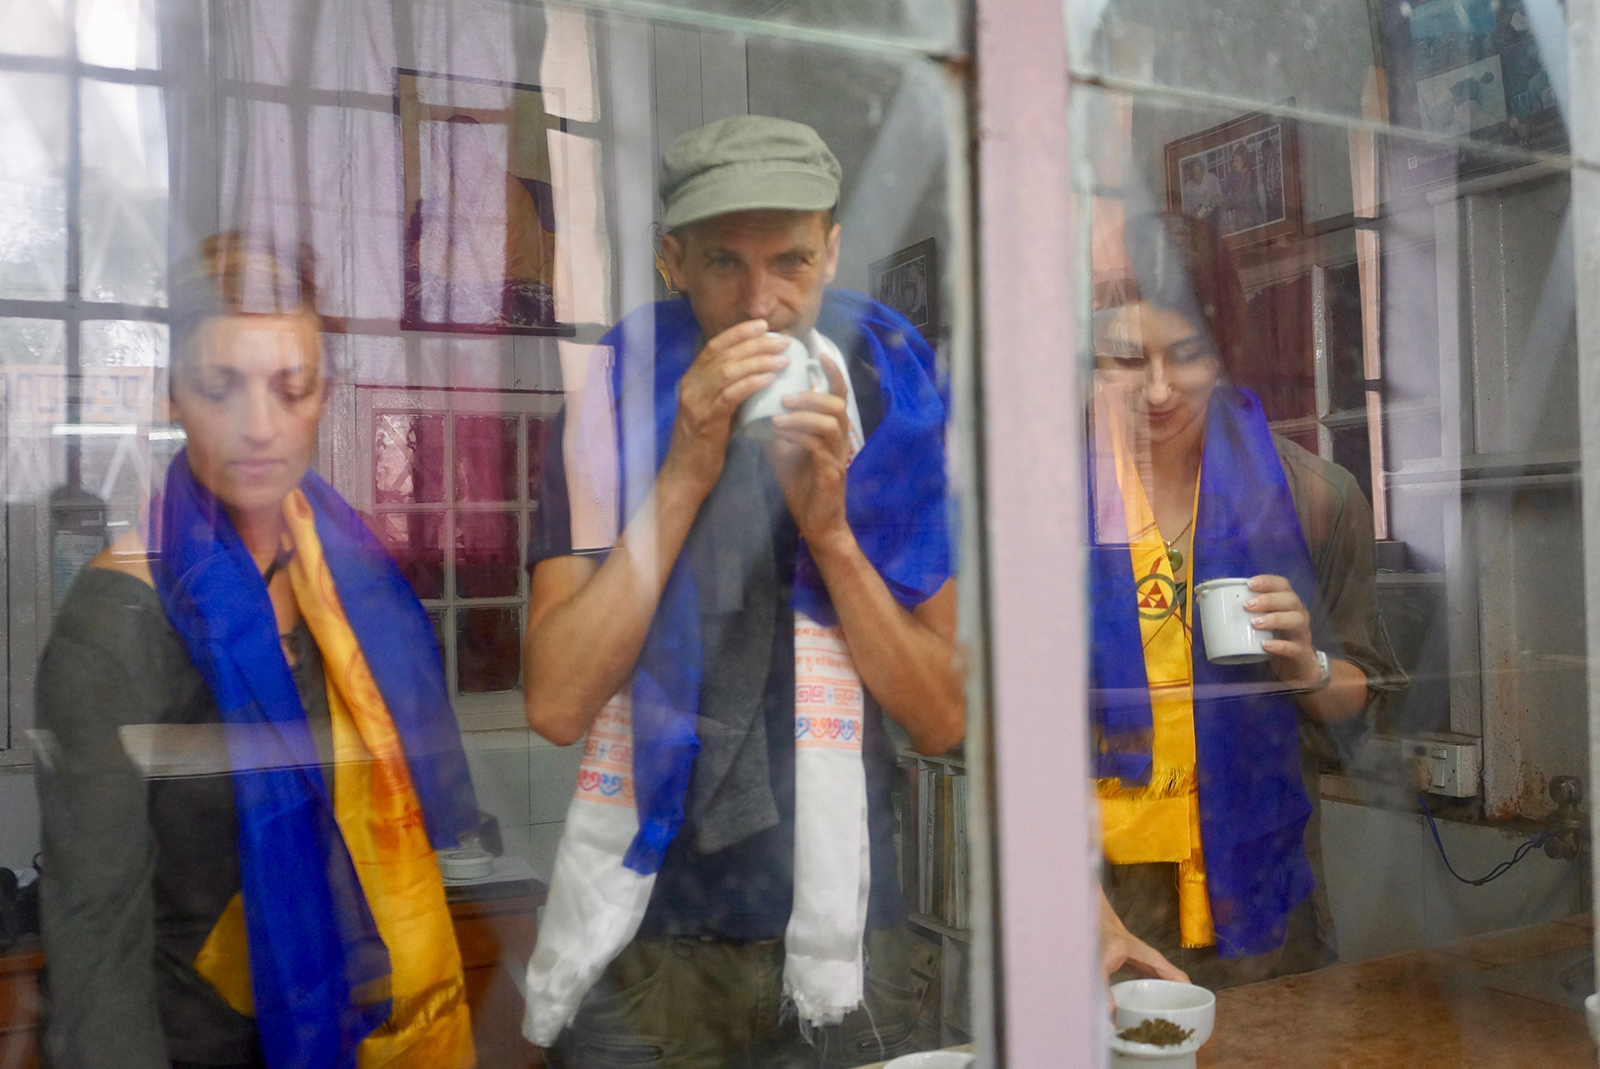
{"x": 730, "y": 547}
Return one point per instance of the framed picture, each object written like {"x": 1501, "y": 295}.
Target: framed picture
{"x": 480, "y": 233}
{"x": 908, "y": 282}
{"x": 1467, "y": 69}
{"x": 1244, "y": 175}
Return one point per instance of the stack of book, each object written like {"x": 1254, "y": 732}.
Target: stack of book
{"x": 930, "y": 811}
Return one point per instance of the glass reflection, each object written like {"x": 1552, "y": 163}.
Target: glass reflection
{"x": 1410, "y": 333}
{"x": 460, "y": 195}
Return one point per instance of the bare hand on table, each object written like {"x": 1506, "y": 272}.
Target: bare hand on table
{"x": 1121, "y": 948}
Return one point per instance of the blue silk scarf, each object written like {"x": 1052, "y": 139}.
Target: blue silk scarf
{"x": 895, "y": 501}
{"x": 319, "y": 970}
{"x": 1253, "y": 805}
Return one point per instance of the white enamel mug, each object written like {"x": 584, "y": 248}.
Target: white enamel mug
{"x": 1225, "y": 622}
{"x": 805, "y": 372}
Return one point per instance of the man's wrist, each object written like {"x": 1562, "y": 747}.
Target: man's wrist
{"x": 679, "y": 481}
{"x": 837, "y": 545}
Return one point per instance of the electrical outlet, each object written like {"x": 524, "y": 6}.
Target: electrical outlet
{"x": 1453, "y": 763}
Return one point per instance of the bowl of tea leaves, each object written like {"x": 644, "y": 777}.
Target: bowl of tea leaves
{"x": 1160, "y": 1021}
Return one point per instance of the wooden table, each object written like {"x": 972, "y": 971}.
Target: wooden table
{"x": 19, "y": 1004}
{"x": 1419, "y": 1008}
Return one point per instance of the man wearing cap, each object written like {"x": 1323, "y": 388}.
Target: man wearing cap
{"x": 726, "y": 889}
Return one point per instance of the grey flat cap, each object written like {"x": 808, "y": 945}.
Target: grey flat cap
{"x": 746, "y": 163}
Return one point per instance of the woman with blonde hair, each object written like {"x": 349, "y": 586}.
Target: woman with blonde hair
{"x": 273, "y": 899}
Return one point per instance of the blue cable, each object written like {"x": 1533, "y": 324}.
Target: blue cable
{"x": 1494, "y": 873}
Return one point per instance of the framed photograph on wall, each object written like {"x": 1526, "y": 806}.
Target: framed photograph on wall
{"x": 908, "y": 282}
{"x": 1470, "y": 70}
{"x": 1244, "y": 175}
{"x": 480, "y": 215}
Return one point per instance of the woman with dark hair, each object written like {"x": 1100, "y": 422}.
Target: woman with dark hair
{"x": 271, "y": 898}
{"x": 1205, "y": 786}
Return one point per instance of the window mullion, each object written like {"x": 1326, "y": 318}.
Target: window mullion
{"x": 74, "y": 352}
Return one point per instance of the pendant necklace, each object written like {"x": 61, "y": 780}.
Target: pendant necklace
{"x": 1175, "y": 556}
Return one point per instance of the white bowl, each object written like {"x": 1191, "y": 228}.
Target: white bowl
{"x": 466, "y": 863}
{"x": 1185, "y": 1005}
{"x": 934, "y": 1059}
{"x": 1591, "y": 1012}
{"x": 1125, "y": 1055}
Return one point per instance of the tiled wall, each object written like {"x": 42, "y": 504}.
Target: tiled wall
{"x": 526, "y": 783}
{"x": 19, "y": 818}
{"x": 1390, "y": 890}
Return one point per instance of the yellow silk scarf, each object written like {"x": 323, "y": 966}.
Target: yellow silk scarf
{"x": 1160, "y": 822}
{"x": 429, "y": 1026}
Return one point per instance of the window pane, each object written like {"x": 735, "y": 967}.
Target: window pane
{"x": 1347, "y": 388}
{"x": 117, "y": 33}
{"x": 1352, "y": 451}
{"x": 1472, "y": 69}
{"x": 416, "y": 540}
{"x": 488, "y": 555}
{"x": 33, "y": 197}
{"x": 436, "y": 618}
{"x": 32, "y": 363}
{"x": 32, "y": 341}
{"x": 34, "y": 27}
{"x": 472, "y": 185}
{"x": 486, "y": 458}
{"x": 124, "y": 252}
{"x": 583, "y": 251}
{"x": 1268, "y": 289}
{"x": 488, "y": 649}
{"x": 123, "y": 343}
{"x": 119, "y": 362}
{"x": 539, "y": 431}
{"x": 408, "y": 459}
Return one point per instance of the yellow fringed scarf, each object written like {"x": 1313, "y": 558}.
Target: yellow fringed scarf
{"x": 429, "y": 1026}
{"x": 1160, "y": 822}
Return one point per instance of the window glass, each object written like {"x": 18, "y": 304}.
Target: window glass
{"x": 399, "y": 562}
{"x": 124, "y": 207}
{"x": 33, "y": 109}
{"x": 36, "y": 29}
{"x": 1332, "y": 367}
{"x": 117, "y": 33}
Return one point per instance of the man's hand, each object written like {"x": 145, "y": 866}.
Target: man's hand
{"x": 810, "y": 452}
{"x": 728, "y": 369}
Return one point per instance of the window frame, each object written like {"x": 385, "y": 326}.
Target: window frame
{"x": 25, "y": 571}
{"x": 1039, "y": 994}
{"x": 354, "y": 480}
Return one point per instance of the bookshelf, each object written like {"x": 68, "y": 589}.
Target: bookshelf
{"x": 931, "y": 842}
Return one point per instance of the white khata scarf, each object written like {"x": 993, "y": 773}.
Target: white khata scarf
{"x": 596, "y": 903}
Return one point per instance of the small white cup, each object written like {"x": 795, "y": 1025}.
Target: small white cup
{"x": 1225, "y": 622}
{"x": 805, "y": 372}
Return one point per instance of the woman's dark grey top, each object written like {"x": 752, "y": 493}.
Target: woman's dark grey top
{"x": 137, "y": 868}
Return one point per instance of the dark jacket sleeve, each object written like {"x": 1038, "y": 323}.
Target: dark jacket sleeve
{"x": 98, "y": 847}
{"x": 1337, "y": 522}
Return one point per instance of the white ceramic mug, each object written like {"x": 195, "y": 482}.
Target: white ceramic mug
{"x": 1225, "y": 622}
{"x": 805, "y": 372}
